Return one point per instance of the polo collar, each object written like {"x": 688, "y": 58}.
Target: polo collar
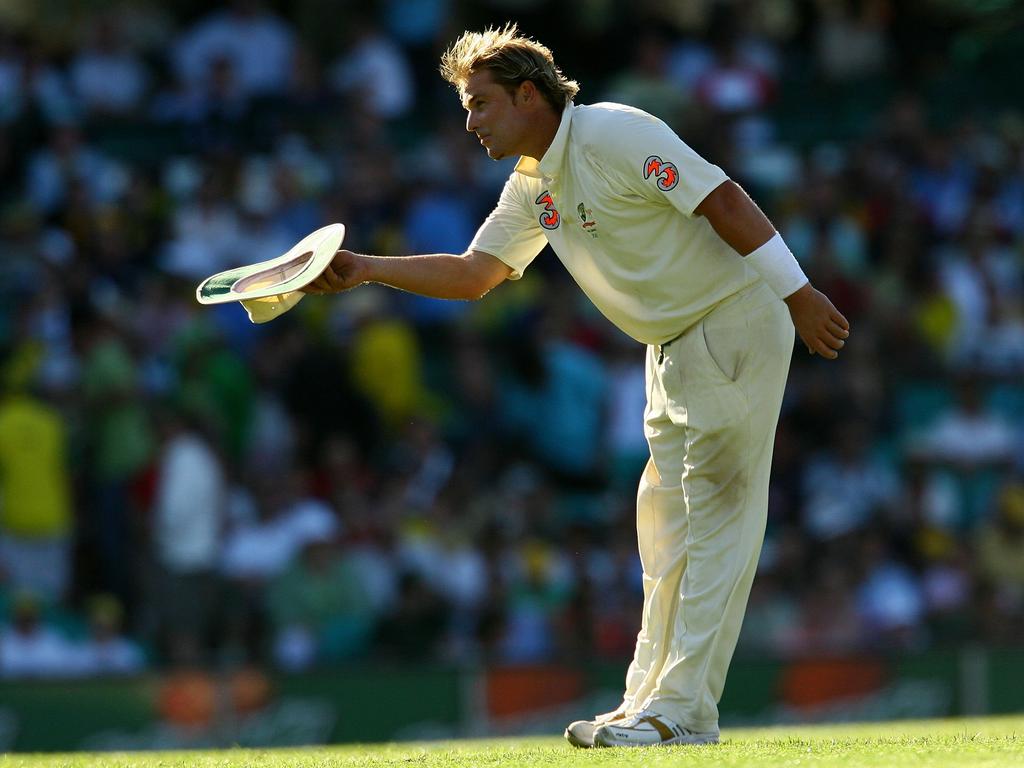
{"x": 552, "y": 159}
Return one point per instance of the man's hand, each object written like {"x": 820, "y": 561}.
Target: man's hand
{"x": 820, "y": 325}
{"x": 346, "y": 270}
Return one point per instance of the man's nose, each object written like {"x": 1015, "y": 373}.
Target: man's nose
{"x": 471, "y": 125}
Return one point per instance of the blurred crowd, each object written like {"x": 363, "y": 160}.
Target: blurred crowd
{"x": 381, "y": 476}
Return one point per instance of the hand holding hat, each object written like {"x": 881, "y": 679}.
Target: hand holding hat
{"x": 342, "y": 273}
{"x": 270, "y": 288}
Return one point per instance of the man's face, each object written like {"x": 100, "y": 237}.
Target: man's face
{"x": 500, "y": 121}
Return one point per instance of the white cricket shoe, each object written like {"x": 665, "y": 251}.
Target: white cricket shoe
{"x": 646, "y": 729}
{"x": 581, "y": 733}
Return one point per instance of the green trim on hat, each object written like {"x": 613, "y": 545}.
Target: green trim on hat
{"x": 220, "y": 284}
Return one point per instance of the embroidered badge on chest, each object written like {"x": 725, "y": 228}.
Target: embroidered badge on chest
{"x": 666, "y": 173}
{"x": 549, "y": 218}
{"x": 587, "y": 220}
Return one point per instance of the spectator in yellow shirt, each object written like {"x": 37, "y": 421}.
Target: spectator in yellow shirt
{"x": 35, "y": 498}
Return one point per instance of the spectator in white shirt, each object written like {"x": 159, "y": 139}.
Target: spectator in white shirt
{"x": 106, "y": 76}
{"x": 107, "y": 651}
{"x": 374, "y": 70}
{"x": 66, "y": 161}
{"x": 188, "y": 519}
{"x": 968, "y": 435}
{"x": 845, "y": 486}
{"x": 257, "y": 551}
{"x": 257, "y": 43}
{"x": 31, "y": 648}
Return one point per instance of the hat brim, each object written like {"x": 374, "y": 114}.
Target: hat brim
{"x": 294, "y": 270}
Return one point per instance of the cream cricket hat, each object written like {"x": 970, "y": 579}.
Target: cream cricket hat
{"x": 270, "y": 288}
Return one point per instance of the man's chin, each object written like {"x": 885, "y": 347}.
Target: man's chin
{"x": 495, "y": 154}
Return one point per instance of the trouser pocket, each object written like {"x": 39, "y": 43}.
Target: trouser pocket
{"x": 725, "y": 344}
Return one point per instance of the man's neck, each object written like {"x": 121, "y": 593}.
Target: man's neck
{"x": 547, "y": 126}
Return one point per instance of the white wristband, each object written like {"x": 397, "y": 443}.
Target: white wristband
{"x": 778, "y": 266}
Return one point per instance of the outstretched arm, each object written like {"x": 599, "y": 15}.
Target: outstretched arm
{"x": 738, "y": 221}
{"x": 439, "y": 275}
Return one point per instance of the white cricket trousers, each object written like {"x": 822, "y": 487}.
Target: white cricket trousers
{"x": 713, "y": 400}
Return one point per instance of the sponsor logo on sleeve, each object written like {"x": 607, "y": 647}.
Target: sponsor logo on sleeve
{"x": 666, "y": 173}
{"x": 549, "y": 218}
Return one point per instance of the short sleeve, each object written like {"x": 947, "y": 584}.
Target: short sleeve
{"x": 653, "y": 161}
{"x": 511, "y": 233}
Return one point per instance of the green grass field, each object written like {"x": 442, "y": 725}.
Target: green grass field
{"x": 996, "y": 742}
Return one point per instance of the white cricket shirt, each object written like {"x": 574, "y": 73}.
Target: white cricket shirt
{"x": 614, "y": 195}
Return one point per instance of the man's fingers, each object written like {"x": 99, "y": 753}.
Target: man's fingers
{"x": 318, "y": 286}
{"x": 834, "y": 342}
{"x": 836, "y": 330}
{"x": 836, "y": 317}
{"x": 825, "y": 351}
{"x": 828, "y": 346}
{"x": 327, "y": 282}
{"x": 824, "y": 345}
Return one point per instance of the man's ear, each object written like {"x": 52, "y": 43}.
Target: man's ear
{"x": 528, "y": 92}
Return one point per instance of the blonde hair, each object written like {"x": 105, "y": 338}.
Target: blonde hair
{"x": 511, "y": 59}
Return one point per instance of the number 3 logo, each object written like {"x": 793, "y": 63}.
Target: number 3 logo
{"x": 663, "y": 171}
{"x": 549, "y": 219}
